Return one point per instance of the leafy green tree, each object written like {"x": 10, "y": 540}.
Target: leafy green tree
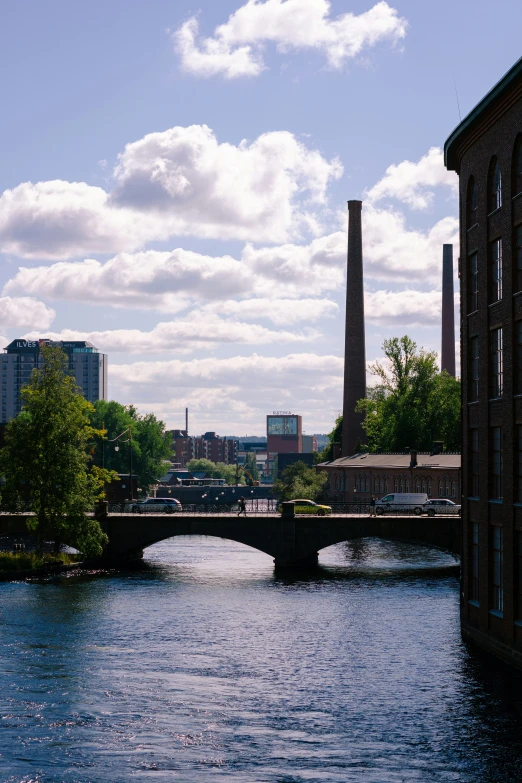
{"x": 335, "y": 436}
{"x": 413, "y": 403}
{"x": 150, "y": 443}
{"x": 251, "y": 469}
{"x": 215, "y": 470}
{"x": 300, "y": 481}
{"x": 46, "y": 458}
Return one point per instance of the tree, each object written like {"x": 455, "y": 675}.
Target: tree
{"x": 300, "y": 481}
{"x": 413, "y": 404}
{"x": 335, "y": 436}
{"x": 251, "y": 470}
{"x": 150, "y": 443}
{"x": 46, "y": 458}
{"x": 214, "y": 469}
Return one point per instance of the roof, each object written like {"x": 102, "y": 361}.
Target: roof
{"x": 375, "y": 461}
{"x": 500, "y": 88}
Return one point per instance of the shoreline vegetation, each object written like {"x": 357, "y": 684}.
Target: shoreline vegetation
{"x": 23, "y": 564}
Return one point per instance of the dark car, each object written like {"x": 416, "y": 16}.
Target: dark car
{"x": 156, "y": 505}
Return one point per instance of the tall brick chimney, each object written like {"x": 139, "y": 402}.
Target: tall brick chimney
{"x": 447, "y": 359}
{"x": 354, "y": 344}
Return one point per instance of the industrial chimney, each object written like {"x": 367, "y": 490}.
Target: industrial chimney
{"x": 447, "y": 359}
{"x": 354, "y": 344}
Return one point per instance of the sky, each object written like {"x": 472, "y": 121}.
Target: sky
{"x": 174, "y": 182}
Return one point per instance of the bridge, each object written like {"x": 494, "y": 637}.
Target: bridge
{"x": 291, "y": 541}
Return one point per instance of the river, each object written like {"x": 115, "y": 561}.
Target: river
{"x": 207, "y": 666}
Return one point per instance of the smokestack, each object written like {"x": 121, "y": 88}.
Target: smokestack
{"x": 186, "y": 420}
{"x": 447, "y": 360}
{"x": 354, "y": 345}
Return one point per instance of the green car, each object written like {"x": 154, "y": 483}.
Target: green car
{"x": 309, "y": 507}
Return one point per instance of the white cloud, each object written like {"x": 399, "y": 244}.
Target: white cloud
{"x": 198, "y": 331}
{"x": 413, "y": 183}
{"x": 411, "y": 308}
{"x": 178, "y": 182}
{"x": 236, "y": 48}
{"x": 24, "y": 312}
{"x": 280, "y": 311}
{"x": 236, "y": 391}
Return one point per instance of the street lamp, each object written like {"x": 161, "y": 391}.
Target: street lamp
{"x": 128, "y": 432}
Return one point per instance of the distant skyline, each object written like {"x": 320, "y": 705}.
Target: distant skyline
{"x": 174, "y": 184}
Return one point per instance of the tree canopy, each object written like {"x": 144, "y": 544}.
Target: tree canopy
{"x": 413, "y": 404}
{"x": 47, "y": 455}
{"x": 150, "y": 443}
{"x": 251, "y": 469}
{"x": 300, "y": 481}
{"x": 215, "y": 470}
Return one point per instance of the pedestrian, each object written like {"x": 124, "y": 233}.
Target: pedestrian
{"x": 372, "y": 506}
{"x": 242, "y": 506}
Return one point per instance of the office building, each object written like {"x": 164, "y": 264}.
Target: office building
{"x": 87, "y": 365}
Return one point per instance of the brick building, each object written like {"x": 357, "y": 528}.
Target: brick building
{"x": 486, "y": 152}
{"x": 362, "y": 475}
{"x": 208, "y": 446}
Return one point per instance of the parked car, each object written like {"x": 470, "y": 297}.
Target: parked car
{"x": 309, "y": 507}
{"x": 440, "y": 506}
{"x": 156, "y": 505}
{"x": 412, "y": 502}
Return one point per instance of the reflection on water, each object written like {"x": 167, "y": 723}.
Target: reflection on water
{"x": 207, "y": 665}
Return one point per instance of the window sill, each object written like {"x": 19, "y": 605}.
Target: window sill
{"x": 472, "y": 227}
{"x": 473, "y": 312}
{"x": 496, "y": 613}
{"x": 517, "y": 195}
{"x": 496, "y": 502}
{"x": 496, "y": 302}
{"x": 518, "y": 503}
{"x": 519, "y": 623}
{"x": 473, "y": 402}
{"x": 517, "y": 293}
{"x": 494, "y": 211}
{"x": 475, "y": 498}
{"x": 495, "y": 399}
{"x": 474, "y": 603}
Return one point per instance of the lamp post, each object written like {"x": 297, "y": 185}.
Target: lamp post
{"x": 128, "y": 432}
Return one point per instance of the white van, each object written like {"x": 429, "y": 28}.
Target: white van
{"x": 411, "y": 502}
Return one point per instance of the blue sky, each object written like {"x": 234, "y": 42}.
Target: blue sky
{"x": 200, "y": 158}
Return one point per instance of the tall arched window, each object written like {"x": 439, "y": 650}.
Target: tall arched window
{"x": 494, "y": 186}
{"x": 381, "y": 486}
{"x": 447, "y": 489}
{"x": 367, "y": 484}
{"x": 453, "y": 489}
{"x": 423, "y": 485}
{"x": 429, "y": 487}
{"x": 386, "y": 485}
{"x": 407, "y": 485}
{"x": 472, "y": 203}
{"x": 401, "y": 488}
{"x": 441, "y": 489}
{"x": 517, "y": 166}
{"x": 417, "y": 486}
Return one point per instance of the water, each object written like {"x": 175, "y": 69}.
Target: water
{"x": 206, "y": 666}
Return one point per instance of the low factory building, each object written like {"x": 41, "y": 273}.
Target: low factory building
{"x": 361, "y": 476}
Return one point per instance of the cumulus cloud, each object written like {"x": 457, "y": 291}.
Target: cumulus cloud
{"x": 25, "y": 312}
{"x": 413, "y": 183}
{"x": 197, "y": 331}
{"x": 411, "y": 308}
{"x": 236, "y": 391}
{"x": 280, "y": 311}
{"x": 236, "y": 48}
{"x": 178, "y": 182}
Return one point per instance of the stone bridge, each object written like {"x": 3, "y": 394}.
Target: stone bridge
{"x": 290, "y": 541}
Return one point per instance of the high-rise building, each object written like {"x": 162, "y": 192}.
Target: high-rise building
{"x": 208, "y": 446}
{"x": 88, "y": 366}
{"x": 486, "y": 152}
{"x": 284, "y": 433}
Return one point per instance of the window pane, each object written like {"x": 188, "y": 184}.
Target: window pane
{"x": 475, "y": 562}
{"x": 473, "y": 363}
{"x": 517, "y": 265}
{"x": 472, "y": 283}
{"x": 495, "y": 489}
{"x": 495, "y": 270}
{"x": 497, "y": 576}
{"x": 496, "y": 366}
